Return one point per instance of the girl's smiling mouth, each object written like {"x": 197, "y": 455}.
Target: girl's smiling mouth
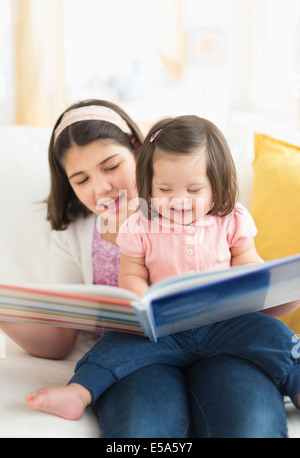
{"x": 111, "y": 204}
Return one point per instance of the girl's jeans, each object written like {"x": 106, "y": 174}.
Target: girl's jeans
{"x": 263, "y": 340}
{"x": 223, "y": 396}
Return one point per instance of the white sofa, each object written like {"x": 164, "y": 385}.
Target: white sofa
{"x": 24, "y": 184}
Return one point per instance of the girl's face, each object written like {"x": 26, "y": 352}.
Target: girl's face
{"x": 181, "y": 190}
{"x": 102, "y": 175}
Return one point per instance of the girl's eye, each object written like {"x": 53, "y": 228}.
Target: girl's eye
{"x": 195, "y": 190}
{"x": 164, "y": 189}
{"x": 113, "y": 167}
{"x": 82, "y": 181}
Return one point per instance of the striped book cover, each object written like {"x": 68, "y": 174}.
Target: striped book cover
{"x": 172, "y": 305}
{"x": 65, "y": 308}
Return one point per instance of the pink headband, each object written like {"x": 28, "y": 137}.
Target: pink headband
{"x": 90, "y": 113}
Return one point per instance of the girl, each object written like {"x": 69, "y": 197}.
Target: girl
{"x": 154, "y": 398}
{"x": 90, "y": 158}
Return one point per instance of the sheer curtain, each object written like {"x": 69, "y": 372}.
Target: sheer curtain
{"x": 39, "y": 61}
{"x": 275, "y": 74}
{"x": 164, "y": 23}
{"x": 109, "y": 47}
{"x": 263, "y": 58}
{"x": 131, "y": 50}
{"x": 7, "y": 80}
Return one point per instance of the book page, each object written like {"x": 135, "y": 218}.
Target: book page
{"x": 91, "y": 307}
{"x": 112, "y": 292}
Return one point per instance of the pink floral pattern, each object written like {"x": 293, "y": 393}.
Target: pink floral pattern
{"x": 106, "y": 261}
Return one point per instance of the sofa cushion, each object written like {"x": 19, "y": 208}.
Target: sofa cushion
{"x": 275, "y": 204}
{"x": 21, "y": 374}
{"x": 24, "y": 184}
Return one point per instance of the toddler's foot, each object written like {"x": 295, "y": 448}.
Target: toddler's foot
{"x": 67, "y": 401}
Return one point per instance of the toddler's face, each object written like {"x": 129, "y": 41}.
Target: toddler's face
{"x": 181, "y": 190}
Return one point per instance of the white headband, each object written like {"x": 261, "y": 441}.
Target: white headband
{"x": 90, "y": 113}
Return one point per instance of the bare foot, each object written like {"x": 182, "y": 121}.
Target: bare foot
{"x": 65, "y": 401}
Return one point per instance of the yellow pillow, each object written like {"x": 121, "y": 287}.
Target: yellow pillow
{"x": 275, "y": 204}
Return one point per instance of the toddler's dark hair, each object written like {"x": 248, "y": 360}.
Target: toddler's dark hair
{"x": 187, "y": 135}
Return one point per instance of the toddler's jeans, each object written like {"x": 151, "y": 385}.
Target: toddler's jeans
{"x": 261, "y": 339}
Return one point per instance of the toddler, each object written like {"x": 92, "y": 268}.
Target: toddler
{"x": 189, "y": 220}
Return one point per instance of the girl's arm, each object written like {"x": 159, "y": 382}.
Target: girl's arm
{"x": 50, "y": 341}
{"x": 133, "y": 274}
{"x": 282, "y": 310}
{"x": 41, "y": 340}
{"x": 247, "y": 255}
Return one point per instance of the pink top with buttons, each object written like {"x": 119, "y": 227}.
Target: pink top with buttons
{"x": 171, "y": 249}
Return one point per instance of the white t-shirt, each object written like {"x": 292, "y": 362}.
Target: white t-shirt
{"x": 70, "y": 254}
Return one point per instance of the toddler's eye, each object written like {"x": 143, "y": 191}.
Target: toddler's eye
{"x": 164, "y": 189}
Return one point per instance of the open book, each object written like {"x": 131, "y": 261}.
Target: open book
{"x": 172, "y": 305}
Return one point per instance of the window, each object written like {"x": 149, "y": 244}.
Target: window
{"x": 108, "y": 52}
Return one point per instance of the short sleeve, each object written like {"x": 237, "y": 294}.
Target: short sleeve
{"x": 241, "y": 227}
{"x": 130, "y": 237}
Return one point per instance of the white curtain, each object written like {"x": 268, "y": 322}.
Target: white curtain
{"x": 66, "y": 50}
{"x": 7, "y": 79}
{"x": 39, "y": 62}
{"x": 163, "y": 21}
{"x": 270, "y": 61}
{"x": 276, "y": 88}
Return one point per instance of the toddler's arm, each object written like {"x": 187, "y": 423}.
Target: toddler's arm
{"x": 133, "y": 274}
{"x": 245, "y": 254}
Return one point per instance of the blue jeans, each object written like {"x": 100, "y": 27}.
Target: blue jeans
{"x": 261, "y": 339}
{"x": 220, "y": 397}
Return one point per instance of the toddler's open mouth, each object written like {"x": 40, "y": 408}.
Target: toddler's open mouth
{"x": 181, "y": 215}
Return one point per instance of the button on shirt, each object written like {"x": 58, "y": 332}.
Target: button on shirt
{"x": 170, "y": 249}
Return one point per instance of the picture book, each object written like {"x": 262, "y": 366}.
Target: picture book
{"x": 172, "y": 305}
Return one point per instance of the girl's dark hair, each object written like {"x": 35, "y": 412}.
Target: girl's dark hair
{"x": 187, "y": 135}
{"x": 63, "y": 204}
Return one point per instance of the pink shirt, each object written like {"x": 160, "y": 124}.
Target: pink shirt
{"x": 171, "y": 249}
